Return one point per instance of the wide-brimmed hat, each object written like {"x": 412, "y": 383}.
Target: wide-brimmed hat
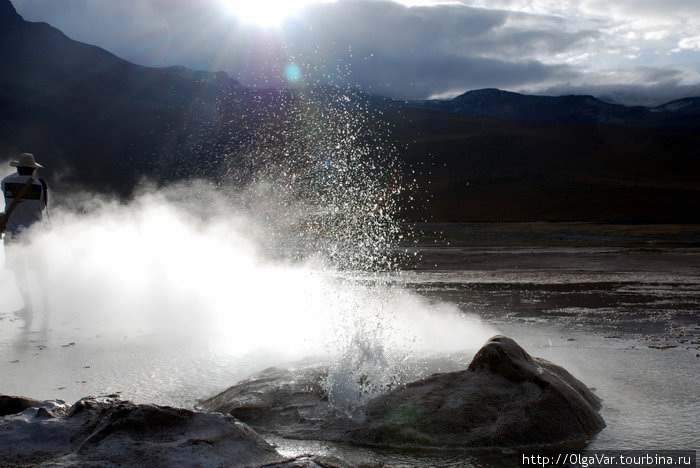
{"x": 25, "y": 160}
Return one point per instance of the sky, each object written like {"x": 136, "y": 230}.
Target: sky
{"x": 629, "y": 51}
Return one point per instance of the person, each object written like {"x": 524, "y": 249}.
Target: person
{"x": 31, "y": 209}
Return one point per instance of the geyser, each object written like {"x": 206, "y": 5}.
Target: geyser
{"x": 159, "y": 268}
{"x": 287, "y": 265}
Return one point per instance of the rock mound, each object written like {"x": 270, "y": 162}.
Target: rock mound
{"x": 284, "y": 399}
{"x": 107, "y": 431}
{"x": 505, "y": 398}
{"x": 15, "y": 404}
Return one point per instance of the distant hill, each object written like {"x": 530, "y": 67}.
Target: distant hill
{"x": 102, "y": 123}
{"x": 505, "y": 105}
{"x": 479, "y": 169}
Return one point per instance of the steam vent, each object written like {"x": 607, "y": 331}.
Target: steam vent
{"x": 505, "y": 398}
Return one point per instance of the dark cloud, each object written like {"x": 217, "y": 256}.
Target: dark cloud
{"x": 434, "y": 75}
{"x": 514, "y": 43}
{"x": 393, "y": 49}
{"x": 416, "y": 52}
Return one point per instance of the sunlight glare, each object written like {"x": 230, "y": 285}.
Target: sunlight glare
{"x": 265, "y": 13}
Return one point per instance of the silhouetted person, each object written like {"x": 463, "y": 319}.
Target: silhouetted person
{"x": 29, "y": 210}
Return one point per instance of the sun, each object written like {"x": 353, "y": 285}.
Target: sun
{"x": 265, "y": 13}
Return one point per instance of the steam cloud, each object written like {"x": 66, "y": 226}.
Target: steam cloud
{"x": 183, "y": 264}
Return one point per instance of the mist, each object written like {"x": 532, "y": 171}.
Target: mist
{"x": 186, "y": 266}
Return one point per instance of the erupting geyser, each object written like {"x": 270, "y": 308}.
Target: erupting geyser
{"x": 281, "y": 258}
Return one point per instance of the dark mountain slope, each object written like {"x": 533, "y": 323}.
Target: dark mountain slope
{"x": 92, "y": 112}
{"x": 497, "y": 104}
{"x": 476, "y": 169}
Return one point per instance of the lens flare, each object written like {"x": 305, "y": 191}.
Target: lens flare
{"x": 292, "y": 72}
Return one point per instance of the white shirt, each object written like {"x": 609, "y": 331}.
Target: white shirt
{"x": 30, "y": 208}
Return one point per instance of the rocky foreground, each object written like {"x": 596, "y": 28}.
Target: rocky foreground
{"x": 505, "y": 398}
{"x": 107, "y": 431}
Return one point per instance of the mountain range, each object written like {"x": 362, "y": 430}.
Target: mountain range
{"x": 499, "y": 104}
{"x": 102, "y": 123}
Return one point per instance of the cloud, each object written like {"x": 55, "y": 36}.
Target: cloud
{"x": 690, "y": 43}
{"x": 418, "y": 52}
{"x": 401, "y": 51}
{"x": 651, "y": 10}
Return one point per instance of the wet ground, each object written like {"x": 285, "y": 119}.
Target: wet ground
{"x": 638, "y": 282}
{"x": 618, "y": 306}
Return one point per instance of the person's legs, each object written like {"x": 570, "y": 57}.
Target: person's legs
{"x": 38, "y": 265}
{"x": 15, "y": 258}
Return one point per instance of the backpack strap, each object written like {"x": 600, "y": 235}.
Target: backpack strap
{"x": 13, "y": 205}
{"x": 45, "y": 186}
